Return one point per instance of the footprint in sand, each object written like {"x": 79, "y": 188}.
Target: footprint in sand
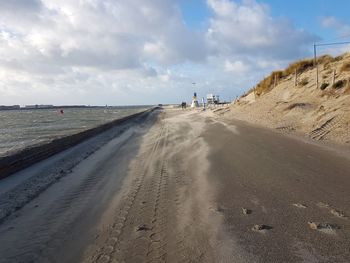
{"x": 246, "y": 211}
{"x": 338, "y": 213}
{"x": 323, "y": 227}
{"x": 299, "y": 205}
{"x": 218, "y": 209}
{"x": 261, "y": 228}
{"x": 323, "y": 205}
{"x": 332, "y": 210}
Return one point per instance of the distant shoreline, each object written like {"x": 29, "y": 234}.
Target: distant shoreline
{"x": 71, "y": 107}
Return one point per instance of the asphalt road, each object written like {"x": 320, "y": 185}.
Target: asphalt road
{"x": 286, "y": 183}
{"x": 187, "y": 186}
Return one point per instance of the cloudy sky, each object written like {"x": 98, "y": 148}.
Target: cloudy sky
{"x": 121, "y": 52}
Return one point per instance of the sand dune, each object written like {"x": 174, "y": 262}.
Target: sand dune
{"x": 321, "y": 114}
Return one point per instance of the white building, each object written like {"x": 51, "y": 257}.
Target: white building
{"x": 212, "y": 99}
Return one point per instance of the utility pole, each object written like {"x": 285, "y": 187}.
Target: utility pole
{"x": 315, "y": 65}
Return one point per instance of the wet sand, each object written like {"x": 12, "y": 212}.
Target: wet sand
{"x": 186, "y": 186}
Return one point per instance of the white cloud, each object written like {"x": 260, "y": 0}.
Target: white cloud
{"x": 103, "y": 34}
{"x": 236, "y": 67}
{"x": 125, "y": 52}
{"x": 250, "y": 43}
{"x": 249, "y": 29}
{"x": 340, "y": 27}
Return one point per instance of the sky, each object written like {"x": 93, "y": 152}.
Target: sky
{"x": 138, "y": 52}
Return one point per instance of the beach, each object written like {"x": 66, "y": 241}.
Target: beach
{"x": 181, "y": 186}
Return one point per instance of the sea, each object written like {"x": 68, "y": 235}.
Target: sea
{"x": 24, "y": 128}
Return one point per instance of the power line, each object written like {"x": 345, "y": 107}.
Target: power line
{"x": 337, "y": 38}
{"x": 331, "y": 44}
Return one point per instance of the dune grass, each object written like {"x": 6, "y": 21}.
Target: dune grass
{"x": 345, "y": 67}
{"x": 298, "y": 67}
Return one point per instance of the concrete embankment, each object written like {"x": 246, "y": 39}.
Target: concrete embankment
{"x": 28, "y": 156}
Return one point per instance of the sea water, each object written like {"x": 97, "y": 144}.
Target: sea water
{"x": 22, "y": 128}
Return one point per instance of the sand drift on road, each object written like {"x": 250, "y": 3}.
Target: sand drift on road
{"x": 183, "y": 186}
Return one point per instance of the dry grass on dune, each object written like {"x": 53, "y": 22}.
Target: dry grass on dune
{"x": 320, "y": 111}
{"x": 345, "y": 67}
{"x": 298, "y": 67}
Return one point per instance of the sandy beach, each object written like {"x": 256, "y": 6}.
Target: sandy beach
{"x": 182, "y": 186}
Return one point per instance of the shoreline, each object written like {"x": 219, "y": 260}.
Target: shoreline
{"x": 54, "y": 107}
{"x": 23, "y": 158}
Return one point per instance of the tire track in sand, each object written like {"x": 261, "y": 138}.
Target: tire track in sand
{"x": 149, "y": 225}
{"x": 129, "y": 237}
